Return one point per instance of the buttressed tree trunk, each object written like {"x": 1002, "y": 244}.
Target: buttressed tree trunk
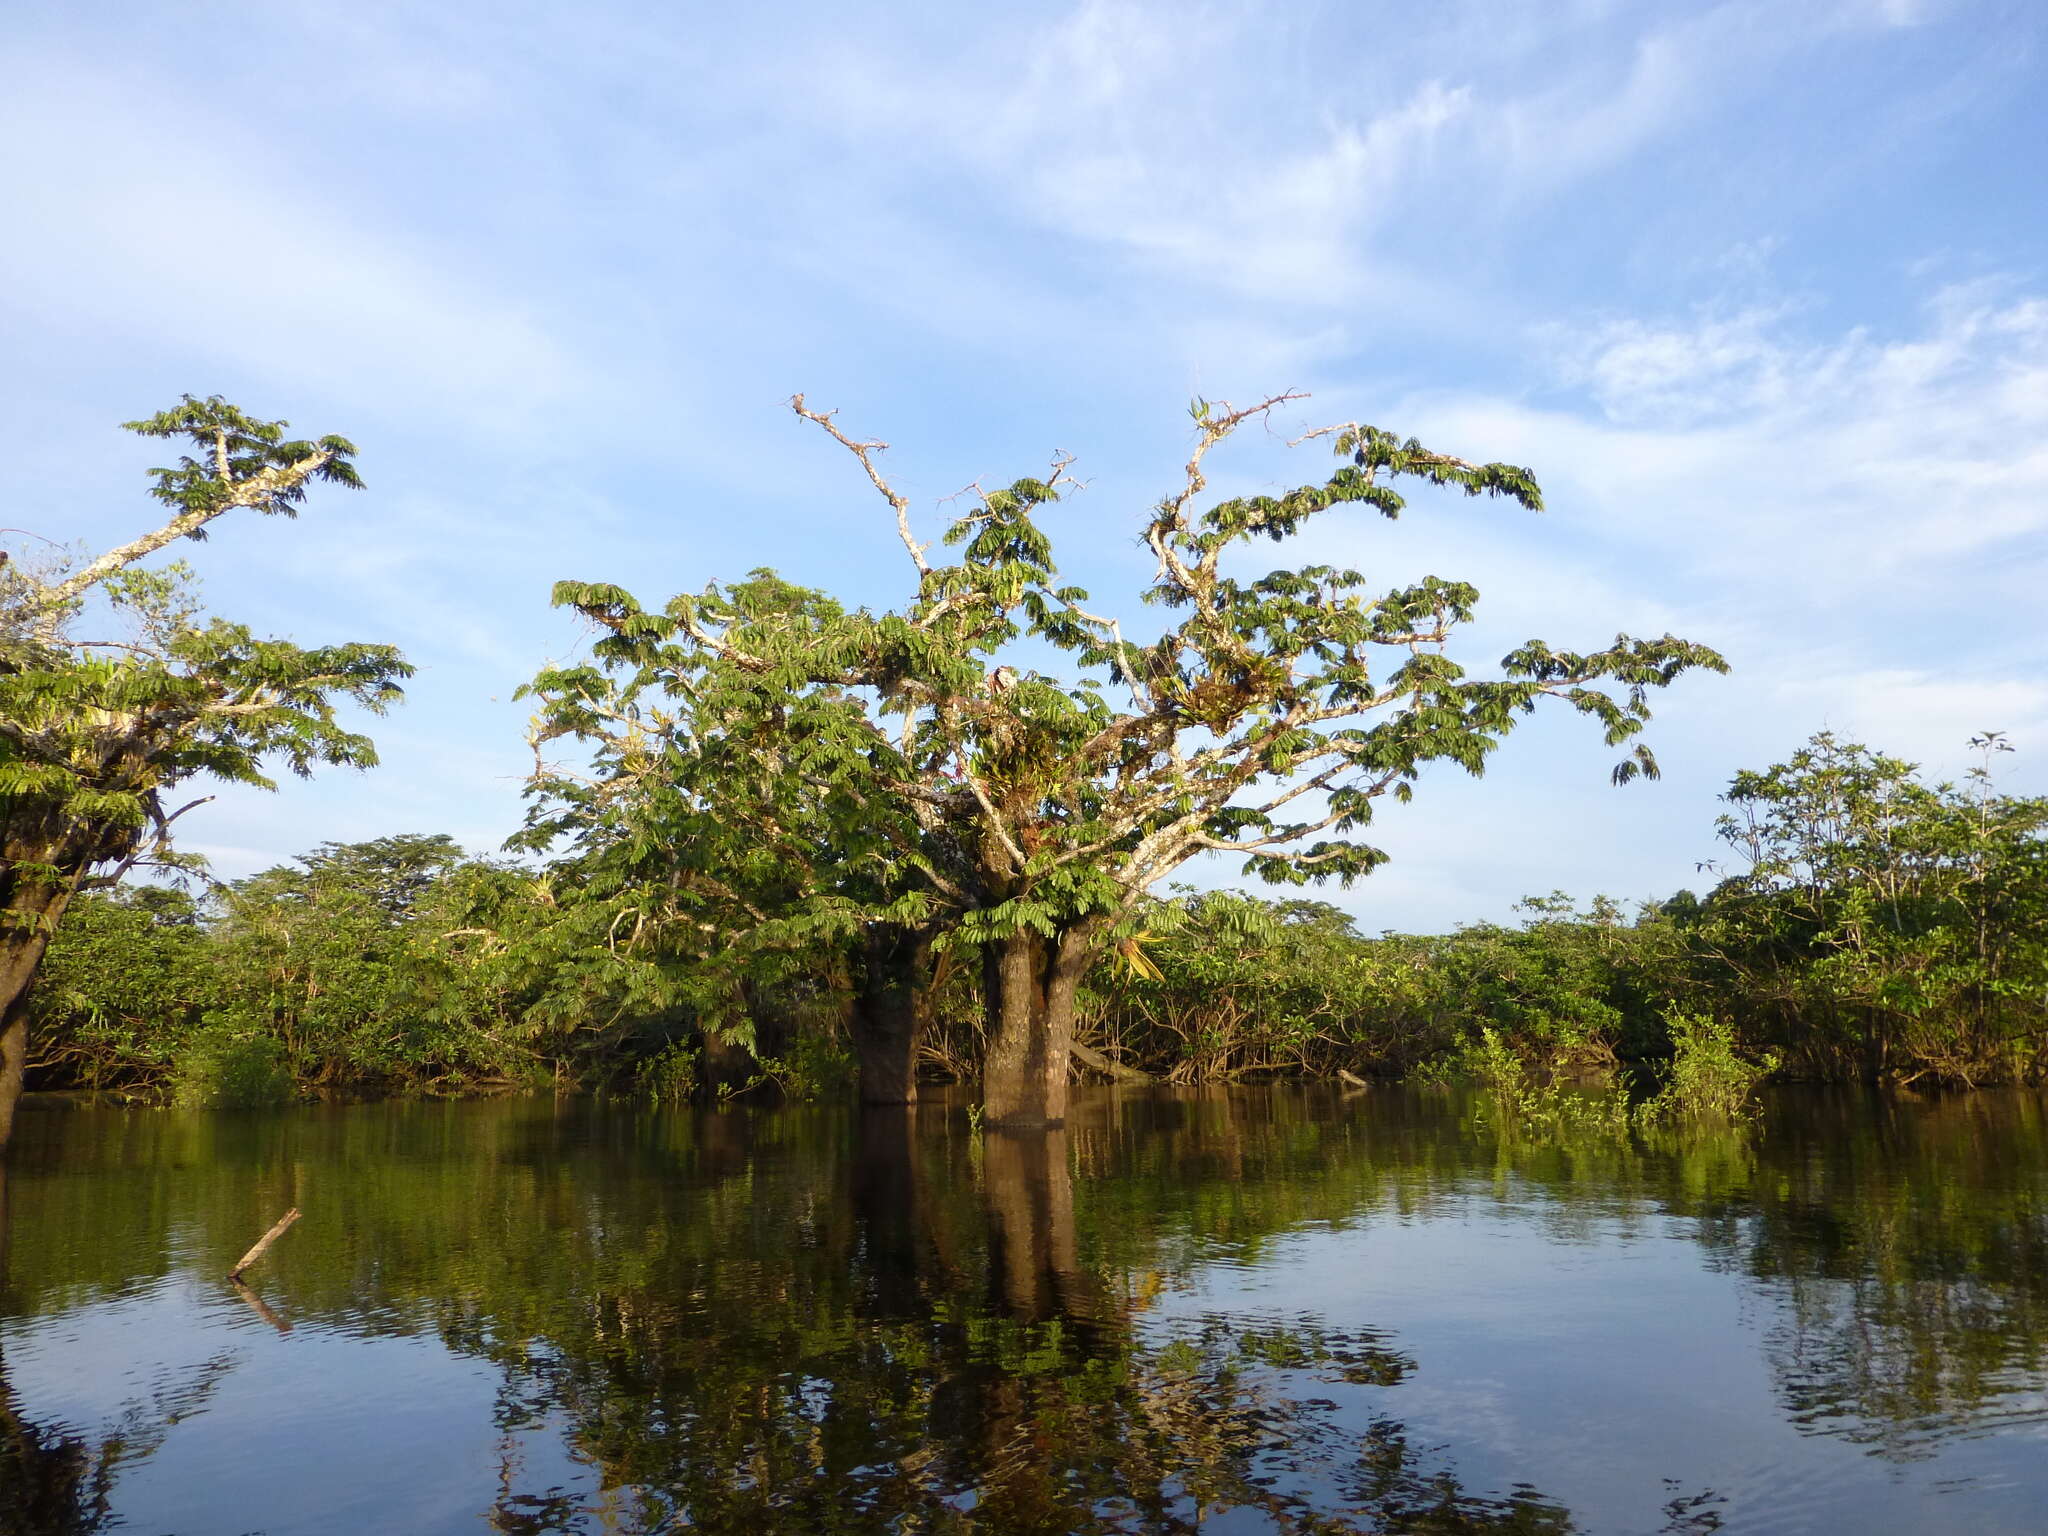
{"x": 1031, "y": 982}
{"x": 888, "y": 1021}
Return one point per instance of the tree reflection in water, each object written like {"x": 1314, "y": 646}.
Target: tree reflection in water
{"x": 796, "y": 1320}
{"x": 51, "y": 1480}
{"x": 980, "y": 1379}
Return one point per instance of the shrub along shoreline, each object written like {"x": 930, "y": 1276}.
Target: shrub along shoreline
{"x": 1882, "y": 928}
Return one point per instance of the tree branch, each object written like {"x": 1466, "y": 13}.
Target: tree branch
{"x": 865, "y": 452}
{"x": 257, "y": 488}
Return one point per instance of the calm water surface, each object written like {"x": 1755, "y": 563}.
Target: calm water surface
{"x": 1268, "y": 1310}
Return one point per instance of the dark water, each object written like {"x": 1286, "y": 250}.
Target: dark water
{"x": 1268, "y": 1310}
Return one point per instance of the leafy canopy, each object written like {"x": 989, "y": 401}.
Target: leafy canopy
{"x": 96, "y": 727}
{"x": 935, "y": 759}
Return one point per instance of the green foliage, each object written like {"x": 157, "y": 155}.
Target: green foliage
{"x": 1516, "y": 1101}
{"x": 222, "y": 1067}
{"x": 1708, "y": 1077}
{"x": 1885, "y": 926}
{"x": 1495, "y": 1066}
{"x": 401, "y": 966}
{"x": 770, "y": 771}
{"x": 243, "y": 461}
{"x": 784, "y": 808}
{"x": 129, "y": 976}
{"x": 812, "y": 1067}
{"x": 96, "y": 732}
{"x": 1238, "y": 987}
{"x": 669, "y": 1076}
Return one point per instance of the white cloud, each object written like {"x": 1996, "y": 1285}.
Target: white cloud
{"x": 1825, "y": 467}
{"x": 1923, "y": 715}
{"x": 597, "y": 248}
{"x": 214, "y": 248}
{"x": 1277, "y": 155}
{"x": 1111, "y": 130}
{"x": 1859, "y": 521}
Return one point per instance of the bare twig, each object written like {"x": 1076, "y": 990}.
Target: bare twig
{"x": 865, "y": 452}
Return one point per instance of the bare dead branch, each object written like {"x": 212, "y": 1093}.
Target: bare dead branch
{"x": 865, "y": 452}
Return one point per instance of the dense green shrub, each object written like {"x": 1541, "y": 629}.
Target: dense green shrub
{"x": 1708, "y": 1078}
{"x": 221, "y": 1067}
{"x": 130, "y": 976}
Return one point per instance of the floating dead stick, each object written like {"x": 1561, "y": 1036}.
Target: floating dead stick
{"x": 263, "y": 1243}
{"x": 1352, "y": 1078}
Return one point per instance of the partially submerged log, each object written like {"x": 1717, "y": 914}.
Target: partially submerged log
{"x": 263, "y": 1243}
{"x": 1346, "y": 1076}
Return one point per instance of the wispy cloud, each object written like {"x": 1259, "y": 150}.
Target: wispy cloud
{"x": 1858, "y": 522}
{"x": 556, "y": 268}
{"x": 221, "y": 250}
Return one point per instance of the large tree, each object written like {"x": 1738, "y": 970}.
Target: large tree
{"x": 99, "y": 728}
{"x": 1026, "y": 813}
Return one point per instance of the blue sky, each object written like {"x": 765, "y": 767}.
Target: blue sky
{"x": 1759, "y": 290}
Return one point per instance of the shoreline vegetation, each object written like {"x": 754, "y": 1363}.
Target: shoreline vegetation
{"x": 797, "y": 844}
{"x": 1882, "y": 928}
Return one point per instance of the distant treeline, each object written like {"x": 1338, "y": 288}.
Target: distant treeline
{"x": 1878, "y": 926}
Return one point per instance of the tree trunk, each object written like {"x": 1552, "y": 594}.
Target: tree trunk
{"x": 888, "y": 1020}
{"x": 728, "y": 1065}
{"x": 13, "y": 1067}
{"x": 1030, "y": 982}
{"x": 30, "y": 920}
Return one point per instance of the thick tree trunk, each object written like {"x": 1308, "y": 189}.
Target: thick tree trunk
{"x": 1030, "y": 984}
{"x": 888, "y": 1019}
{"x": 13, "y": 1068}
{"x": 30, "y": 920}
